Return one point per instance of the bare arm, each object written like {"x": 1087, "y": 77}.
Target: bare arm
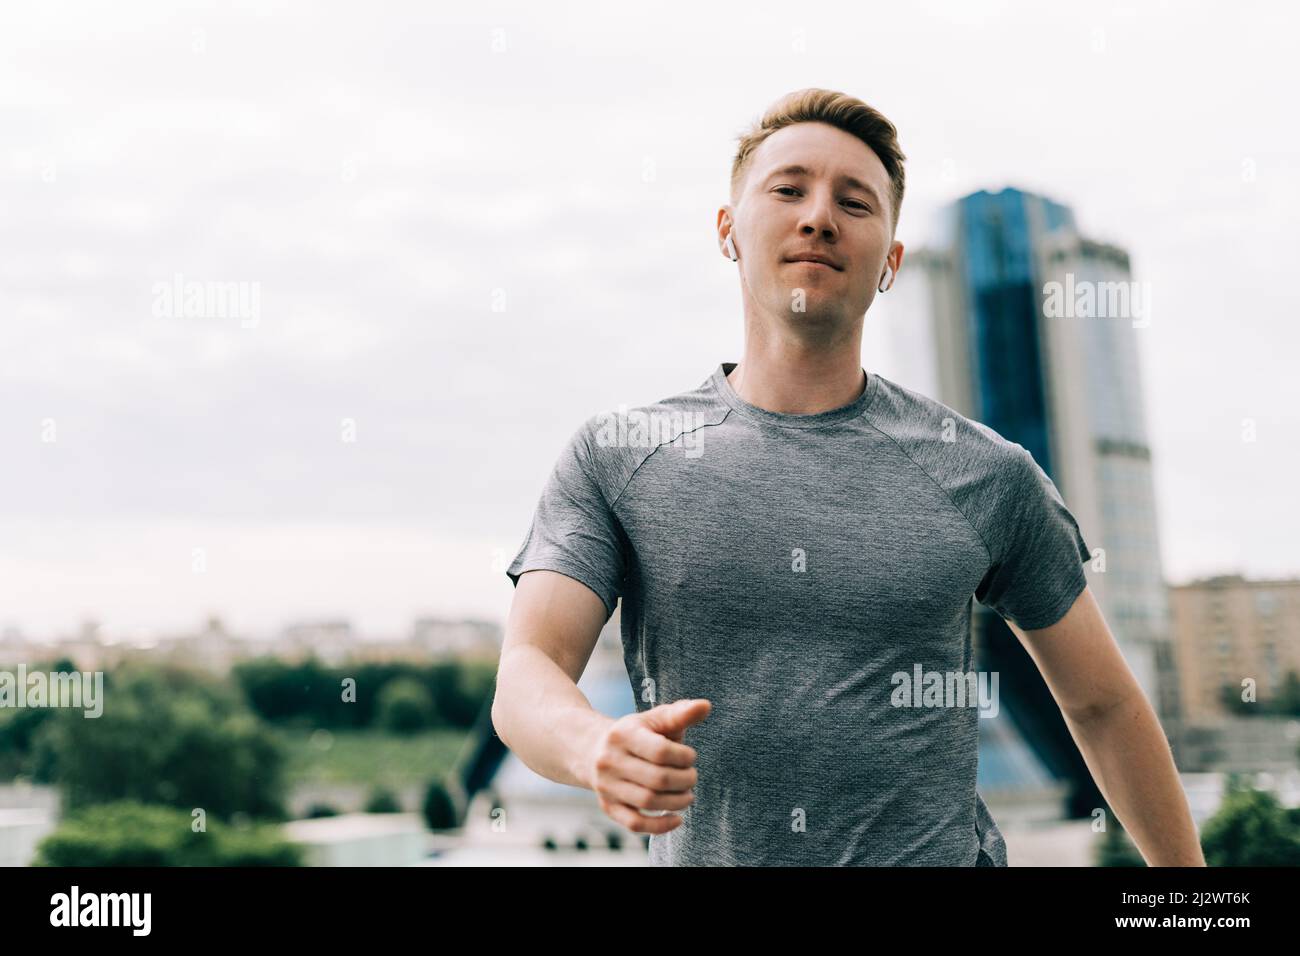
{"x": 1117, "y": 732}
{"x": 538, "y": 711}
{"x": 633, "y": 763}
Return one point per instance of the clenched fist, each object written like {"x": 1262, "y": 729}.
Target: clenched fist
{"x": 640, "y": 763}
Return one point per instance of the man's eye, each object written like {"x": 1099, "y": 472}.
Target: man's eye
{"x": 856, "y": 203}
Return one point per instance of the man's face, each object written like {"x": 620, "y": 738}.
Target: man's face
{"x": 837, "y": 208}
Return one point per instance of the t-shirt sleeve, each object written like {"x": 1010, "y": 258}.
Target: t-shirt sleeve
{"x": 1037, "y": 550}
{"x": 574, "y": 530}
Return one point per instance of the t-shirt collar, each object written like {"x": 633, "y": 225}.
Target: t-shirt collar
{"x": 782, "y": 420}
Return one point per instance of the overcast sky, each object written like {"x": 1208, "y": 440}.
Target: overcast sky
{"x": 470, "y": 230}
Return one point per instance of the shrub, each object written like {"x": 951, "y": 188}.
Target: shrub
{"x": 1251, "y": 828}
{"x": 129, "y": 833}
{"x": 439, "y": 808}
{"x": 405, "y": 706}
{"x": 383, "y": 800}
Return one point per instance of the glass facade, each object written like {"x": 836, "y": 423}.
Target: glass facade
{"x": 1067, "y": 388}
{"x": 1003, "y": 302}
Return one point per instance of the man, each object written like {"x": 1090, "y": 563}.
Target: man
{"x": 796, "y": 544}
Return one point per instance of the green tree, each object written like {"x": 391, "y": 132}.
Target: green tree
{"x": 1230, "y": 697}
{"x": 18, "y": 730}
{"x": 19, "y": 727}
{"x": 307, "y": 693}
{"x": 169, "y": 738}
{"x": 310, "y": 694}
{"x": 405, "y": 706}
{"x": 1288, "y": 697}
{"x": 1251, "y": 828}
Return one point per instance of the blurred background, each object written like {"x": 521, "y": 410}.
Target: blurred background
{"x": 299, "y": 303}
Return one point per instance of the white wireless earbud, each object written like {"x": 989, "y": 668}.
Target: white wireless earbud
{"x": 886, "y": 280}
{"x": 731, "y": 249}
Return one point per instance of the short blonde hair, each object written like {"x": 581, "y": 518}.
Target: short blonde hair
{"x": 839, "y": 110}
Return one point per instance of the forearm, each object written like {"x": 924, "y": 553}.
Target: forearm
{"x": 544, "y": 718}
{"x": 1126, "y": 751}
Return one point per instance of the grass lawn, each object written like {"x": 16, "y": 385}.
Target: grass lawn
{"x": 370, "y": 756}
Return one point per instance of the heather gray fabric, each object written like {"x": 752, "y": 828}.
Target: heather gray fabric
{"x": 789, "y": 568}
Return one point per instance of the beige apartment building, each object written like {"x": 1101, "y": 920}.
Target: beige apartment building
{"x": 1227, "y": 629}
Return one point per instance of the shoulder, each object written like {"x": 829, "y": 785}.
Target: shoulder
{"x": 951, "y": 446}
{"x": 611, "y": 444}
{"x": 984, "y": 474}
{"x": 651, "y": 425}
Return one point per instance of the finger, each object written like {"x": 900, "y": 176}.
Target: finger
{"x": 655, "y": 776}
{"x": 636, "y": 821}
{"x": 643, "y": 798}
{"x": 644, "y": 742}
{"x": 675, "y": 718}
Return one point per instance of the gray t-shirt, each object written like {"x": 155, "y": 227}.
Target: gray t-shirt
{"x": 812, "y": 576}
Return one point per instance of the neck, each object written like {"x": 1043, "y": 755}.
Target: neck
{"x": 791, "y": 377}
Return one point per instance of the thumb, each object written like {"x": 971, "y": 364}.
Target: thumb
{"x": 671, "y": 720}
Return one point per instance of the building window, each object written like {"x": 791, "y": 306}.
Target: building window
{"x": 1265, "y": 603}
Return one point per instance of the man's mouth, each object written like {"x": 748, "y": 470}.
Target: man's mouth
{"x": 813, "y": 261}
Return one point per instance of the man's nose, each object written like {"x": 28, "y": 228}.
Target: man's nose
{"x": 820, "y": 218}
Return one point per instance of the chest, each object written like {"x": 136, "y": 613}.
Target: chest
{"x": 775, "y": 532}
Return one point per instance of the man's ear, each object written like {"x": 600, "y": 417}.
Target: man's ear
{"x": 895, "y": 257}
{"x": 726, "y": 222}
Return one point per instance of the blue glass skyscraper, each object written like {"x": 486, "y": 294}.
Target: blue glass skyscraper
{"x": 1015, "y": 319}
